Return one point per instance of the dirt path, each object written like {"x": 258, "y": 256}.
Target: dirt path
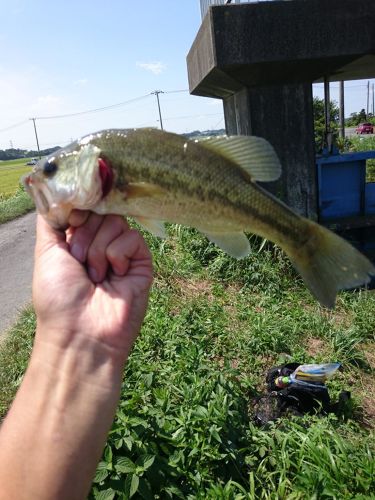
{"x": 17, "y": 239}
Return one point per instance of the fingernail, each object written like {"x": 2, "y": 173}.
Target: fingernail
{"x": 77, "y": 251}
{"x": 93, "y": 273}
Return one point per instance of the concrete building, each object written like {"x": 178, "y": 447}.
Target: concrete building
{"x": 261, "y": 60}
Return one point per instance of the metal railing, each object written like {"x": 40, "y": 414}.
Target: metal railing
{"x": 205, "y": 4}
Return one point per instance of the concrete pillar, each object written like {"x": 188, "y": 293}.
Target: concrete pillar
{"x": 261, "y": 58}
{"x": 282, "y": 114}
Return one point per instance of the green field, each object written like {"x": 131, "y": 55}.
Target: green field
{"x": 14, "y": 201}
{"x": 184, "y": 427}
{"x": 10, "y": 174}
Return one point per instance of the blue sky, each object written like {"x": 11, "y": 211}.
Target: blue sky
{"x": 66, "y": 57}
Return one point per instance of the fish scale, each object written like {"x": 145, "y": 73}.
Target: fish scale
{"x": 156, "y": 176}
{"x": 180, "y": 171}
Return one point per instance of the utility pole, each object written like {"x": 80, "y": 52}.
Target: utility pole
{"x": 373, "y": 102}
{"x": 368, "y": 98}
{"x": 157, "y": 92}
{"x": 327, "y": 116}
{"x": 36, "y": 136}
{"x": 342, "y": 113}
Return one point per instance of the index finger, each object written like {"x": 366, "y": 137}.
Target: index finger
{"x": 78, "y": 217}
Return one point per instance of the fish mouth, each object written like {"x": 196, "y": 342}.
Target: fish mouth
{"x": 56, "y": 216}
{"x": 37, "y": 194}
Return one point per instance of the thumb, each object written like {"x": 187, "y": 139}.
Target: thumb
{"x": 47, "y": 236}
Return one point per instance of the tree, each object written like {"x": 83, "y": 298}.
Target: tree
{"x": 356, "y": 118}
{"x": 13, "y": 154}
{"x": 319, "y": 121}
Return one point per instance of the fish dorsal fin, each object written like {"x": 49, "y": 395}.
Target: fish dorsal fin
{"x": 234, "y": 244}
{"x": 156, "y": 227}
{"x": 253, "y": 154}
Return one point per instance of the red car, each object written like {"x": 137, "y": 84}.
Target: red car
{"x": 365, "y": 128}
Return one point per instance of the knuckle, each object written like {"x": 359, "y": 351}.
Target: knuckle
{"x": 115, "y": 253}
{"x": 95, "y": 254}
{"x": 117, "y": 223}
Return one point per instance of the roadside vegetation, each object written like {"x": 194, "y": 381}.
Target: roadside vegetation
{"x": 360, "y": 143}
{"x": 356, "y": 118}
{"x": 14, "y": 201}
{"x": 184, "y": 427}
{"x": 349, "y": 144}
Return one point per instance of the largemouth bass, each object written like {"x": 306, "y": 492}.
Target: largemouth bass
{"x": 155, "y": 176}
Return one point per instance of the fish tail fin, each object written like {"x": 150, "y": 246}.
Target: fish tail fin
{"x": 328, "y": 263}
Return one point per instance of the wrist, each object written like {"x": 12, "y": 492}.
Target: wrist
{"x": 73, "y": 355}
{"x": 69, "y": 396}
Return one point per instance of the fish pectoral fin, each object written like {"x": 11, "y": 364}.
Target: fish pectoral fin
{"x": 254, "y": 155}
{"x": 235, "y": 244}
{"x": 142, "y": 190}
{"x": 156, "y": 227}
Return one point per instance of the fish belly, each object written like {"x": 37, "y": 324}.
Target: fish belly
{"x": 246, "y": 207}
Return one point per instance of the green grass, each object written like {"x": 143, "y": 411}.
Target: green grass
{"x": 214, "y": 326}
{"x": 18, "y": 204}
{"x": 360, "y": 143}
{"x": 14, "y": 201}
{"x": 15, "y": 351}
{"x": 10, "y": 174}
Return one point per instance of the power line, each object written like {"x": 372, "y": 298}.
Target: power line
{"x": 45, "y": 145}
{"x": 124, "y": 103}
{"x": 13, "y": 126}
{"x": 109, "y": 107}
{"x": 175, "y": 91}
{"x": 346, "y": 86}
{"x": 191, "y": 116}
{"x": 96, "y": 110}
{"x": 218, "y": 123}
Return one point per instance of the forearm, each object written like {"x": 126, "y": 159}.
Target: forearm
{"x": 54, "y": 434}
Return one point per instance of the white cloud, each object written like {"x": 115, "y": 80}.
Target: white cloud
{"x": 155, "y": 67}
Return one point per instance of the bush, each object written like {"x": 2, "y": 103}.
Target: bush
{"x": 18, "y": 204}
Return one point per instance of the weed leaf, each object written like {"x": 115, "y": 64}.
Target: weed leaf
{"x": 125, "y": 465}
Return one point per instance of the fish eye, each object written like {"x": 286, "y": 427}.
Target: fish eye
{"x": 50, "y": 167}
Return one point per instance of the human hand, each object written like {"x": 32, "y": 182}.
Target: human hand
{"x": 91, "y": 282}
{"x": 86, "y": 323}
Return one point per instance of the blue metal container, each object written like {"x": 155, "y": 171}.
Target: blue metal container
{"x": 343, "y": 191}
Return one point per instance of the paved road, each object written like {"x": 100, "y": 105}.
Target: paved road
{"x": 350, "y": 131}
{"x": 17, "y": 239}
